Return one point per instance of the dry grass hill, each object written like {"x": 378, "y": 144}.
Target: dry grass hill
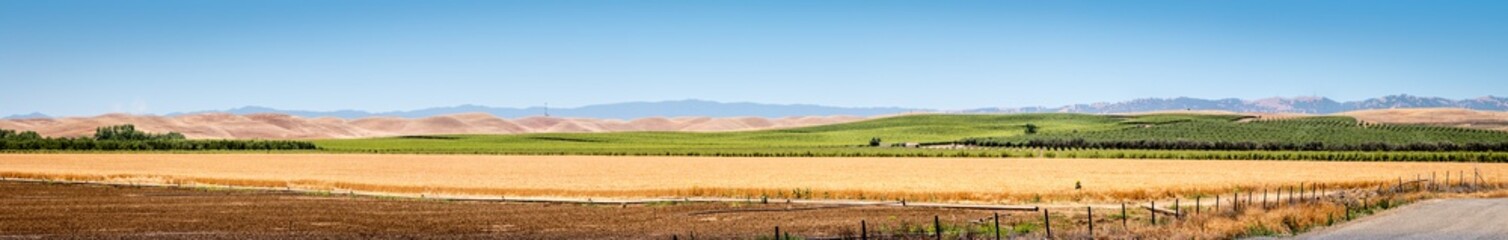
{"x": 1435, "y": 116}
{"x": 280, "y": 126}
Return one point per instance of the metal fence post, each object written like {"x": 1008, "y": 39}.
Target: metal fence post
{"x": 1153, "y": 210}
{"x": 1047, "y": 221}
{"x": 997, "y": 226}
{"x": 937, "y": 226}
{"x": 1091, "y": 221}
{"x": 863, "y": 230}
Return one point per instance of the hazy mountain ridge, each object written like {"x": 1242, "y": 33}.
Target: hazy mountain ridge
{"x": 702, "y": 108}
{"x": 1310, "y": 105}
{"x": 627, "y": 110}
{"x": 33, "y": 115}
{"x": 283, "y": 126}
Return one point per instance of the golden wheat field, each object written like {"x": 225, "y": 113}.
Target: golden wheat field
{"x": 939, "y": 179}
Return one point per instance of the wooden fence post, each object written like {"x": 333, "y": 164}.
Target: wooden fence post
{"x": 1264, "y": 199}
{"x": 1198, "y": 206}
{"x": 777, "y": 231}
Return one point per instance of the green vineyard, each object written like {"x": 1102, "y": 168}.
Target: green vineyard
{"x": 1301, "y": 134}
{"x": 1160, "y": 136}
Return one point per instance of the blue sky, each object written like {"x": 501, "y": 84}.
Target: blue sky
{"x": 66, "y": 57}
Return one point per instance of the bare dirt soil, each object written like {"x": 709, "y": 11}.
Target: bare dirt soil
{"x": 43, "y": 210}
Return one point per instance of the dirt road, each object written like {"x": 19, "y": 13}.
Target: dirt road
{"x": 1440, "y": 219}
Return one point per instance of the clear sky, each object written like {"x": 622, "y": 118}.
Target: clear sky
{"x": 66, "y": 57}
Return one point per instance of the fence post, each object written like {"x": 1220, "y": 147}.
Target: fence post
{"x": 1476, "y": 178}
{"x": 863, "y": 230}
{"x": 1153, "y": 210}
{"x": 1198, "y": 205}
{"x": 1177, "y": 212}
{"x": 1315, "y": 188}
{"x": 937, "y": 226}
{"x": 1348, "y": 211}
{"x": 1091, "y": 221}
{"x": 1125, "y": 219}
{"x": 777, "y": 231}
{"x": 997, "y": 225}
{"x": 1264, "y": 199}
{"x": 1217, "y": 203}
{"x": 1291, "y": 197}
{"x": 1235, "y": 201}
{"x": 1047, "y": 222}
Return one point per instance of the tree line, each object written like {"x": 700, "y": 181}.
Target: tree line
{"x": 1080, "y": 143}
{"x": 127, "y": 138}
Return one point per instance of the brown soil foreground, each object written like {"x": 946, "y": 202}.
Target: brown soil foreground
{"x": 930, "y": 179}
{"x": 41, "y": 210}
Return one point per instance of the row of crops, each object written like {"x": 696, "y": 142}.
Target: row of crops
{"x": 127, "y": 138}
{"x": 1459, "y": 156}
{"x": 1159, "y": 136}
{"x": 1299, "y": 134}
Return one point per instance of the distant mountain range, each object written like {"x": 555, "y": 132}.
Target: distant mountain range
{"x": 1310, "y": 105}
{"x": 628, "y": 110}
{"x": 28, "y": 116}
{"x": 701, "y": 108}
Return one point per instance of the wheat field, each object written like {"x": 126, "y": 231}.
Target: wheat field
{"x": 938, "y": 179}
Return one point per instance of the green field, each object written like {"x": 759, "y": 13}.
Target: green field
{"x": 852, "y": 139}
{"x": 918, "y": 128}
{"x": 1310, "y": 133}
